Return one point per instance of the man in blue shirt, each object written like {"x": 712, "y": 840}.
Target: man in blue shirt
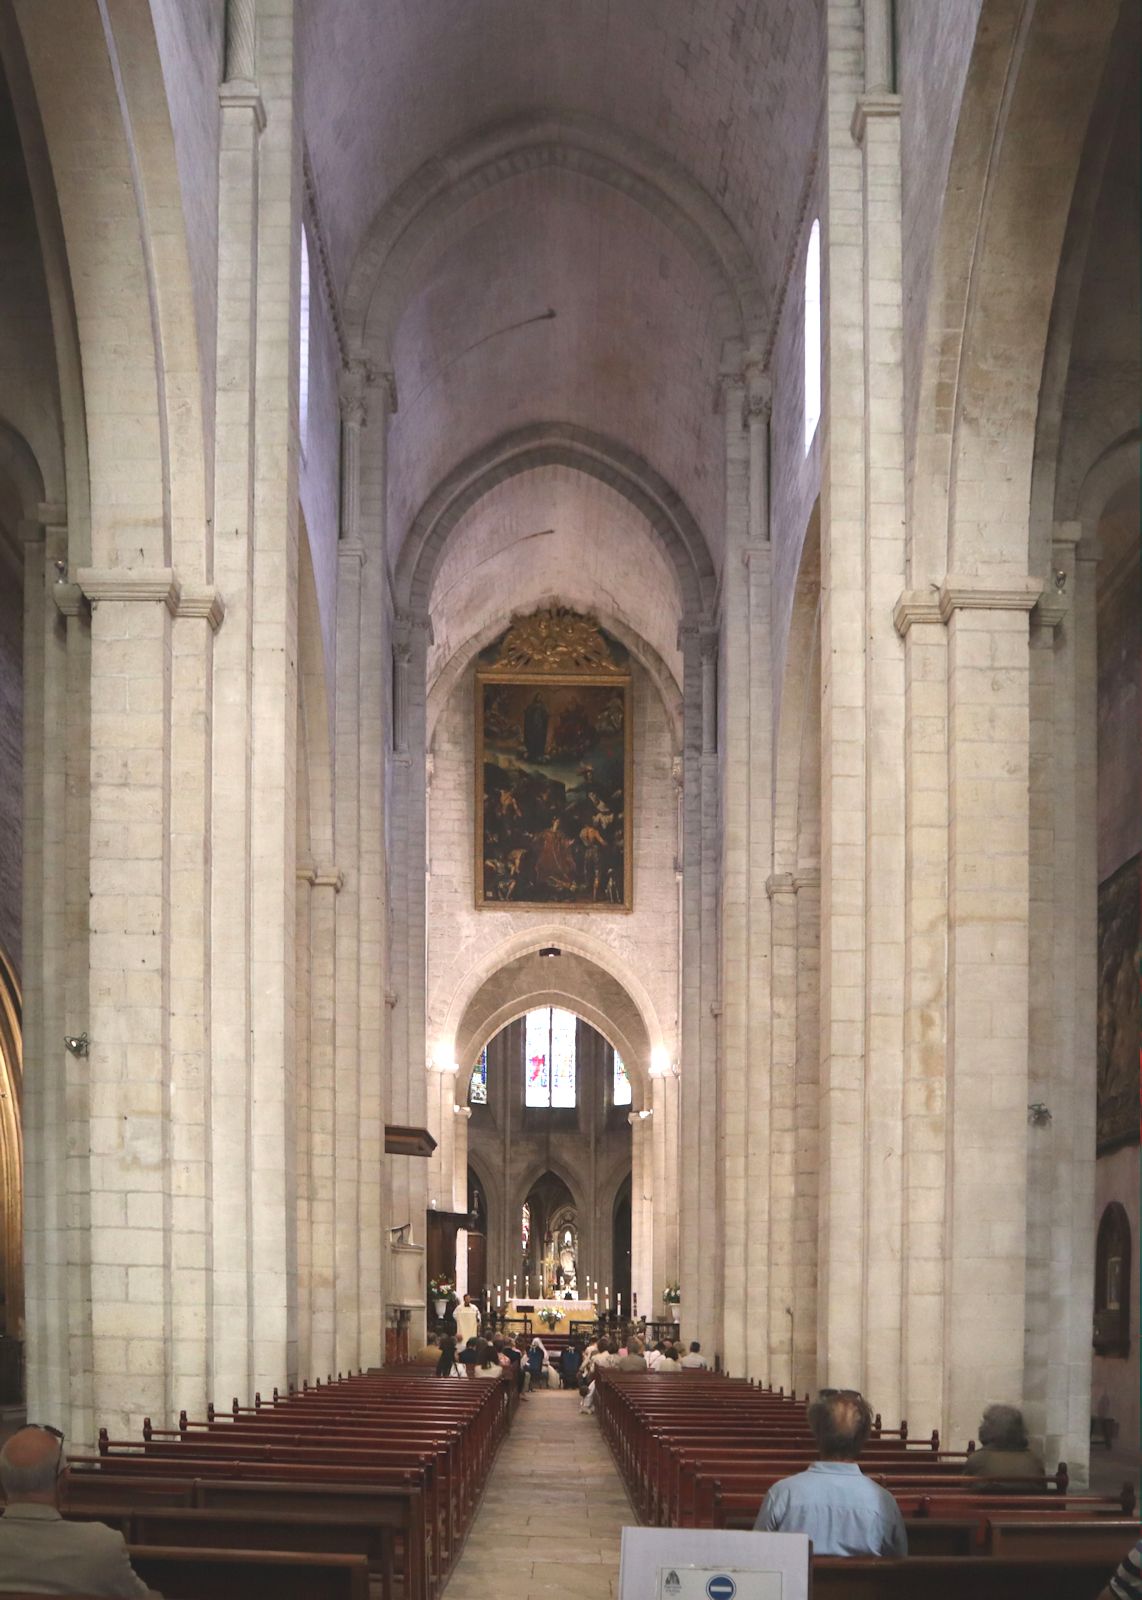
{"x": 842, "y": 1511}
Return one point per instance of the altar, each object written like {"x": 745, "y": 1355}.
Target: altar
{"x": 569, "y": 1311}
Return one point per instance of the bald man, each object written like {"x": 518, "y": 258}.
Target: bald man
{"x": 40, "y": 1553}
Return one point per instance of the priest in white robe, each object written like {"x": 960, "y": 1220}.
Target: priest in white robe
{"x": 467, "y": 1318}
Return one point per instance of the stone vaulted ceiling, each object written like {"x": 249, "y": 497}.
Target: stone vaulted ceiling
{"x": 713, "y": 106}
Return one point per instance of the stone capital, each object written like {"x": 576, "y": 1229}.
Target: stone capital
{"x": 240, "y": 94}
{"x": 780, "y": 883}
{"x": 131, "y": 584}
{"x": 987, "y": 594}
{"x": 352, "y": 384}
{"x": 328, "y": 876}
{"x": 69, "y": 598}
{"x": 877, "y": 104}
{"x": 202, "y": 600}
{"x": 916, "y": 606}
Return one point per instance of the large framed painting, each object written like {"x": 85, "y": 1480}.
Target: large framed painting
{"x": 554, "y": 768}
{"x": 1118, "y": 1008}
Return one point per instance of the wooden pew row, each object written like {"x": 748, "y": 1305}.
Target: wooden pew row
{"x": 191, "y": 1574}
{"x": 695, "y": 1443}
{"x": 304, "y": 1531}
{"x": 400, "y": 1464}
{"x": 959, "y": 1578}
{"x": 451, "y": 1480}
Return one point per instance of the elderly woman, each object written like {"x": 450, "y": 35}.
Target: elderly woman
{"x": 1004, "y": 1451}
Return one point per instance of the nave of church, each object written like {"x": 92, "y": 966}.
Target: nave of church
{"x": 570, "y": 689}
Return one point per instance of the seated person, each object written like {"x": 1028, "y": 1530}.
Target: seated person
{"x": 429, "y": 1353}
{"x": 446, "y": 1366}
{"x": 485, "y": 1363}
{"x": 633, "y": 1360}
{"x": 1004, "y": 1452}
{"x": 538, "y": 1365}
{"x": 40, "y": 1552}
{"x": 842, "y": 1511}
{"x": 467, "y": 1356}
{"x": 654, "y": 1358}
{"x": 695, "y": 1361}
{"x": 670, "y": 1364}
{"x": 569, "y": 1364}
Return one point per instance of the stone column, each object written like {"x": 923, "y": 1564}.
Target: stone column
{"x": 807, "y": 888}
{"x": 407, "y": 1101}
{"x": 1063, "y": 981}
{"x": 844, "y": 816}
{"x": 642, "y": 1212}
{"x": 699, "y": 1264}
{"x": 303, "y": 1122}
{"x": 735, "y": 1103}
{"x": 321, "y": 886}
{"x": 55, "y": 1105}
{"x": 925, "y": 1004}
{"x": 241, "y": 121}
{"x": 988, "y": 905}
{"x": 129, "y": 1011}
{"x": 876, "y": 128}
{"x": 364, "y": 474}
{"x": 784, "y": 1132}
{"x": 347, "y": 815}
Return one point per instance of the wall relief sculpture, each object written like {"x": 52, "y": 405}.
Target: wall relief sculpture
{"x": 554, "y": 767}
{"x": 1118, "y": 1008}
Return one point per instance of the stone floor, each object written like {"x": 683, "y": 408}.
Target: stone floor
{"x": 552, "y": 1512}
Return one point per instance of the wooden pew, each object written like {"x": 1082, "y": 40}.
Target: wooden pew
{"x": 958, "y": 1578}
{"x": 190, "y": 1574}
{"x": 398, "y": 1463}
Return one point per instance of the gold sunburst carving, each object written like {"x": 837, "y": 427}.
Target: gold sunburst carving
{"x": 557, "y": 640}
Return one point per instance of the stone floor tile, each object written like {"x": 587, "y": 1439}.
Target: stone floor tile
{"x": 551, "y": 1518}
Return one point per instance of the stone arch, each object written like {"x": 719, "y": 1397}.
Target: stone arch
{"x": 480, "y": 1005}
{"x": 1027, "y": 100}
{"x": 404, "y": 227}
{"x": 537, "y": 1170}
{"x": 1117, "y": 466}
{"x": 21, "y": 471}
{"x": 129, "y": 274}
{"x": 660, "y": 675}
{"x": 542, "y": 444}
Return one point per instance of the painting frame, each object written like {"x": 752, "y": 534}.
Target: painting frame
{"x": 539, "y": 680}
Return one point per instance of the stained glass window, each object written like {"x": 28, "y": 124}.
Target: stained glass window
{"x": 562, "y": 1058}
{"x": 620, "y": 1091}
{"x": 525, "y": 1227}
{"x": 549, "y": 1058}
{"x": 478, "y": 1088}
{"x": 537, "y": 1058}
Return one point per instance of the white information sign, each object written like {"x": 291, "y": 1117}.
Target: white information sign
{"x": 712, "y": 1564}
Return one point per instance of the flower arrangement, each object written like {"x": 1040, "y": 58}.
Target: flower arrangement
{"x": 441, "y": 1288}
{"x": 549, "y": 1318}
{"x": 671, "y": 1295}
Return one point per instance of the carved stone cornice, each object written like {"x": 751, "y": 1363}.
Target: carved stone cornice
{"x": 157, "y": 585}
{"x": 328, "y": 877}
{"x": 982, "y": 594}
{"x": 1049, "y": 610}
{"x": 51, "y": 514}
{"x": 791, "y": 883}
{"x": 70, "y": 599}
{"x": 202, "y": 600}
{"x": 153, "y": 585}
{"x": 916, "y": 606}
{"x": 239, "y": 94}
{"x": 869, "y": 106}
{"x": 928, "y": 606}
{"x": 349, "y": 550}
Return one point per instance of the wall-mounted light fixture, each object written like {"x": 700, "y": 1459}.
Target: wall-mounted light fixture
{"x": 77, "y": 1043}
{"x": 1038, "y": 1115}
{"x": 550, "y": 950}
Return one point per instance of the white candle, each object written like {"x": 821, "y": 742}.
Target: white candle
{"x": 620, "y": 1300}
